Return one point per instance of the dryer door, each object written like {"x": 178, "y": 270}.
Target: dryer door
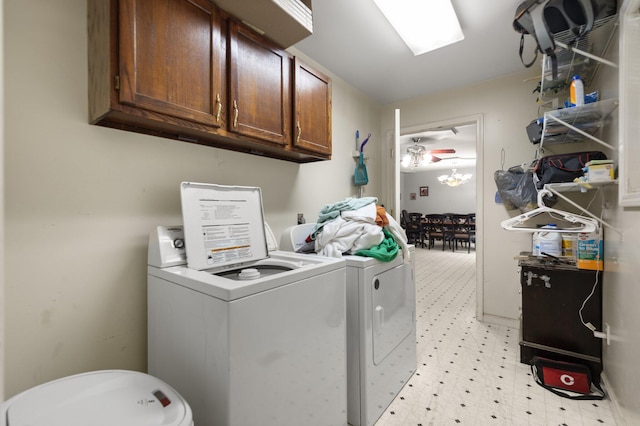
{"x": 393, "y": 307}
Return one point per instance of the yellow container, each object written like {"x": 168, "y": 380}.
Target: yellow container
{"x": 569, "y": 245}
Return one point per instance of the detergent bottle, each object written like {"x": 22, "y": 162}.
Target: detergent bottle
{"x": 576, "y": 91}
{"x": 547, "y": 241}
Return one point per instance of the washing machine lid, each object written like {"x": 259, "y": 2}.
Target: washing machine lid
{"x": 223, "y": 225}
{"x": 100, "y": 398}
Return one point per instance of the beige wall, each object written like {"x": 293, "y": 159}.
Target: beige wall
{"x": 81, "y": 200}
{"x": 441, "y": 198}
{"x": 621, "y": 285}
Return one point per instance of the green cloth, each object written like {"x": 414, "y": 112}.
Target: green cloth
{"x": 386, "y": 251}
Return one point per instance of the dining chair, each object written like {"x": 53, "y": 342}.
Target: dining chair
{"x": 403, "y": 219}
{"x": 462, "y": 231}
{"x": 415, "y": 231}
{"x": 436, "y": 229}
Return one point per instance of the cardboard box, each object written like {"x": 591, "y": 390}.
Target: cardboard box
{"x": 600, "y": 173}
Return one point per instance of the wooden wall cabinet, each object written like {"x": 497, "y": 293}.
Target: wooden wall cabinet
{"x": 170, "y": 58}
{"x": 185, "y": 70}
{"x": 259, "y": 87}
{"x": 312, "y": 109}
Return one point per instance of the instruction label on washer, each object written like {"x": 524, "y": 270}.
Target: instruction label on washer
{"x": 231, "y": 239}
{"x": 223, "y": 225}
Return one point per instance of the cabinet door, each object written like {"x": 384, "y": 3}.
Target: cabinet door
{"x": 260, "y": 87}
{"x": 552, "y": 300}
{"x": 312, "y": 109}
{"x": 170, "y": 58}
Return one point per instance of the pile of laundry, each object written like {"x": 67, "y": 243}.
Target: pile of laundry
{"x": 358, "y": 226}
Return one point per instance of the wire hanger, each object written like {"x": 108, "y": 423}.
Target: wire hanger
{"x": 586, "y": 224}
{"x": 529, "y": 165}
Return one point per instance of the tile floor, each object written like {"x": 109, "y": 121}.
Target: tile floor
{"x": 469, "y": 372}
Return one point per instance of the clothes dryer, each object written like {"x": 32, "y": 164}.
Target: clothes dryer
{"x": 249, "y": 336}
{"x": 381, "y": 332}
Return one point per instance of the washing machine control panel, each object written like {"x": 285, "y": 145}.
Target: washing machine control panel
{"x": 166, "y": 247}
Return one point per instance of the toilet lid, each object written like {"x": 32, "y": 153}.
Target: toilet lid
{"x": 101, "y": 398}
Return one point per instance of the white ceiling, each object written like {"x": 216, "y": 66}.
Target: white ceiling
{"x": 354, "y": 40}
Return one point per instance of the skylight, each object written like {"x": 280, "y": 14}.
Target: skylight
{"x": 424, "y": 25}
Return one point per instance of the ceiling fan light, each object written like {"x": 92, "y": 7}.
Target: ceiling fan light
{"x": 406, "y": 160}
{"x": 454, "y": 179}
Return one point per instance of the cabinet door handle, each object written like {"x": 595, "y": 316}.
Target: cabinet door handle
{"x": 299, "y": 131}
{"x": 235, "y": 113}
{"x": 218, "y": 107}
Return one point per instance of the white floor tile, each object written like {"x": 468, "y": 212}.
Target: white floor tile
{"x": 469, "y": 373}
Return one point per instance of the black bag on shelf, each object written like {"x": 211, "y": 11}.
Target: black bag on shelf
{"x": 534, "y": 130}
{"x": 544, "y": 18}
{"x": 563, "y": 167}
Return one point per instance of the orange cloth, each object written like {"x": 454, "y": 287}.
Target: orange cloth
{"x": 381, "y": 216}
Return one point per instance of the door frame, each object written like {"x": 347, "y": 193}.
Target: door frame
{"x": 393, "y": 138}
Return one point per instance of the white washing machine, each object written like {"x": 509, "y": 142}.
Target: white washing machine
{"x": 249, "y": 337}
{"x": 381, "y": 330}
{"x": 98, "y": 398}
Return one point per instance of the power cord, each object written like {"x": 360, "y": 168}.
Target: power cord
{"x": 598, "y": 334}
{"x": 593, "y": 290}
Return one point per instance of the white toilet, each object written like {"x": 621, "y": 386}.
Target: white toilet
{"x": 98, "y": 398}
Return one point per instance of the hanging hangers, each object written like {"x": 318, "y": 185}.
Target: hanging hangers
{"x": 531, "y": 164}
{"x": 586, "y": 224}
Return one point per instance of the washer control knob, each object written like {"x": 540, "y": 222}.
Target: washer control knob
{"x": 178, "y": 243}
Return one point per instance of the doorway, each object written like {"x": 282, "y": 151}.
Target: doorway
{"x": 469, "y": 147}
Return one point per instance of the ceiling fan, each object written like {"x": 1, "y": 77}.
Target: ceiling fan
{"x": 418, "y": 154}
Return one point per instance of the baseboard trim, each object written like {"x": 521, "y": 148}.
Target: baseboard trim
{"x": 506, "y": 322}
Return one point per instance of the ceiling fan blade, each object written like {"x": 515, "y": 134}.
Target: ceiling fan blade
{"x": 442, "y": 151}
{"x": 435, "y": 159}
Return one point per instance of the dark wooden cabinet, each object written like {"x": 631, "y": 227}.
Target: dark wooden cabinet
{"x": 553, "y": 297}
{"x": 312, "y": 109}
{"x": 170, "y": 58}
{"x": 259, "y": 87}
{"x": 186, "y": 70}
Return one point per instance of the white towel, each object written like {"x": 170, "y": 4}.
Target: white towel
{"x": 340, "y": 236}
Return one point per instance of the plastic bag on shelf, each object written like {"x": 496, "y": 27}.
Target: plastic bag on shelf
{"x": 517, "y": 189}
